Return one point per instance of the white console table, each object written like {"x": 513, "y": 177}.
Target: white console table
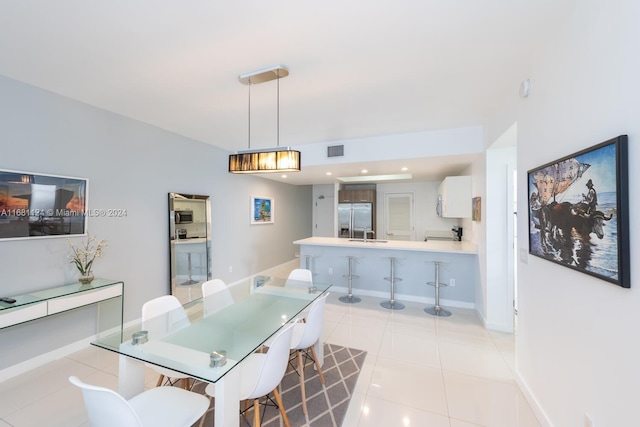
{"x": 47, "y": 302}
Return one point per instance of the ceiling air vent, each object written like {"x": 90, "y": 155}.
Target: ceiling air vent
{"x": 335, "y": 151}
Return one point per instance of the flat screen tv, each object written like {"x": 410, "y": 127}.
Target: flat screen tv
{"x": 35, "y": 205}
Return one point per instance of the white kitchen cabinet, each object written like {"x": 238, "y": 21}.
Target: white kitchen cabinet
{"x": 454, "y": 197}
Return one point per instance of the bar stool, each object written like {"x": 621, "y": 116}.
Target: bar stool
{"x": 308, "y": 258}
{"x": 190, "y": 281}
{"x": 392, "y": 304}
{"x": 436, "y": 310}
{"x": 350, "y": 298}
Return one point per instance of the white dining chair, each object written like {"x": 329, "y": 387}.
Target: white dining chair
{"x": 212, "y": 286}
{"x": 216, "y": 296}
{"x": 294, "y": 280}
{"x": 160, "y": 406}
{"x": 301, "y": 275}
{"x": 261, "y": 373}
{"x": 160, "y": 316}
{"x": 305, "y": 336}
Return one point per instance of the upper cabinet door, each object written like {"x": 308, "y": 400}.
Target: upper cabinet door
{"x": 455, "y": 197}
{"x": 356, "y": 196}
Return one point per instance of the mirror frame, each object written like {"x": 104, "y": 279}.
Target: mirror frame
{"x": 189, "y": 289}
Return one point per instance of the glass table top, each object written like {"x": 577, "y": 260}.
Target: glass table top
{"x": 237, "y": 320}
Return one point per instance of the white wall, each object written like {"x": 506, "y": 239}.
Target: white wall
{"x": 498, "y": 291}
{"x": 441, "y": 142}
{"x": 132, "y": 166}
{"x": 577, "y": 344}
{"x": 425, "y": 196}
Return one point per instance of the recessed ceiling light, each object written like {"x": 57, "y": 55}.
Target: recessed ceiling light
{"x": 404, "y": 169}
{"x": 284, "y": 176}
{"x": 364, "y": 171}
{"x": 329, "y": 174}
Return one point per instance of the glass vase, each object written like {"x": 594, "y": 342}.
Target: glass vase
{"x": 86, "y": 278}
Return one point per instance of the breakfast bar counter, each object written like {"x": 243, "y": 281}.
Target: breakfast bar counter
{"x": 328, "y": 259}
{"x": 442, "y": 246}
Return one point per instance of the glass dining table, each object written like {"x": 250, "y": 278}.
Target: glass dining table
{"x": 208, "y": 338}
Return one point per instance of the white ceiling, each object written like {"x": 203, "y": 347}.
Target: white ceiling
{"x": 357, "y": 68}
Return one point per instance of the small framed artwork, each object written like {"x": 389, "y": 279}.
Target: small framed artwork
{"x": 579, "y": 211}
{"x": 35, "y": 205}
{"x": 262, "y": 210}
{"x": 476, "y": 208}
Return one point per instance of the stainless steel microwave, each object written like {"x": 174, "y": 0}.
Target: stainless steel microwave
{"x": 184, "y": 217}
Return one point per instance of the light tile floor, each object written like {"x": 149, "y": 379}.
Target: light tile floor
{"x": 420, "y": 371}
{"x": 431, "y": 371}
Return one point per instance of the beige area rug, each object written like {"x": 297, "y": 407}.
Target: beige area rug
{"x": 327, "y": 405}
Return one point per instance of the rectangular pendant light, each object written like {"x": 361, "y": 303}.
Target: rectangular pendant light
{"x": 264, "y": 161}
{"x": 271, "y": 159}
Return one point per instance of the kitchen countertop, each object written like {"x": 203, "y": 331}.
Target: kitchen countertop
{"x": 189, "y": 241}
{"x": 401, "y": 245}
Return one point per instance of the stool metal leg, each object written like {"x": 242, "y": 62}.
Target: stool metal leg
{"x": 190, "y": 281}
{"x": 307, "y": 265}
{"x": 350, "y": 298}
{"x": 436, "y": 310}
{"x": 392, "y": 304}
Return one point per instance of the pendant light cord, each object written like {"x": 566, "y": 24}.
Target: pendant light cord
{"x": 278, "y": 112}
{"x": 249, "y": 133}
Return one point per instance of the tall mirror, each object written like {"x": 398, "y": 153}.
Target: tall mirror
{"x": 189, "y": 244}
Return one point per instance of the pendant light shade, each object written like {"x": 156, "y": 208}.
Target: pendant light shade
{"x": 266, "y": 160}
{"x": 275, "y": 160}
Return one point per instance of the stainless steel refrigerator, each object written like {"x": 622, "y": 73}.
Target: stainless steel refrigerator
{"x": 354, "y": 218}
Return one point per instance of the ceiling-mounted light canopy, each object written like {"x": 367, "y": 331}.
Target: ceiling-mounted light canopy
{"x": 271, "y": 159}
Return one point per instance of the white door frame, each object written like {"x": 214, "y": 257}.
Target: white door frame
{"x": 412, "y": 226}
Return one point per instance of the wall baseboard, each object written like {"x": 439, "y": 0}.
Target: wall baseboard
{"x": 59, "y": 353}
{"x": 43, "y": 359}
{"x": 541, "y": 416}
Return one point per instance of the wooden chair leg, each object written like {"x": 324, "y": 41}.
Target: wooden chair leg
{"x": 276, "y": 394}
{"x": 256, "y": 413}
{"x": 302, "y": 388}
{"x": 315, "y": 360}
{"x": 160, "y": 380}
{"x": 185, "y": 383}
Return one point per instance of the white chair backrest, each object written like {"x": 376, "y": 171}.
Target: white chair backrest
{"x": 301, "y": 274}
{"x": 299, "y": 278}
{"x": 212, "y": 286}
{"x": 275, "y": 363}
{"x": 156, "y": 320}
{"x": 216, "y": 296}
{"x": 313, "y": 324}
{"x": 105, "y": 407}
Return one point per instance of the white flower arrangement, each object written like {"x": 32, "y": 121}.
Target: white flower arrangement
{"x": 84, "y": 256}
